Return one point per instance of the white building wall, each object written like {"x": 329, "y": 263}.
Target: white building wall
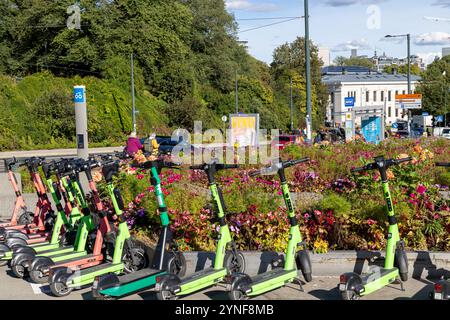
{"x": 358, "y": 90}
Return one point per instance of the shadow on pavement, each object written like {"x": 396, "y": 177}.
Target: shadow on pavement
{"x": 321, "y": 294}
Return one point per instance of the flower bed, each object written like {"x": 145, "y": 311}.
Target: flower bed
{"x": 349, "y": 214}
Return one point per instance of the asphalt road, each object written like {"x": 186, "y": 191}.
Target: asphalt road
{"x": 321, "y": 288}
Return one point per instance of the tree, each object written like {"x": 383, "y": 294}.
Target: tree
{"x": 289, "y": 61}
{"x": 354, "y": 61}
{"x": 435, "y": 87}
{"x": 403, "y": 69}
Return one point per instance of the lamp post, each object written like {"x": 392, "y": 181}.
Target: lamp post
{"x": 308, "y": 76}
{"x": 408, "y": 38}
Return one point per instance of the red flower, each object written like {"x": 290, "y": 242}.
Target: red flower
{"x": 421, "y": 189}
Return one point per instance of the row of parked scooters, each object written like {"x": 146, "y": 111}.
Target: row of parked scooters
{"x": 78, "y": 241}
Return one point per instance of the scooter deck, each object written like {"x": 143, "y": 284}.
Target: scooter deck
{"x": 133, "y": 282}
{"x": 70, "y": 256}
{"x": 57, "y": 251}
{"x": 271, "y": 280}
{"x": 201, "y": 279}
{"x": 87, "y": 276}
{"x": 378, "y": 278}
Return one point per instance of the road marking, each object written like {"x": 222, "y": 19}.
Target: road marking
{"x": 40, "y": 288}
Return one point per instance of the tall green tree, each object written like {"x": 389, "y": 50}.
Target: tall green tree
{"x": 289, "y": 62}
{"x": 435, "y": 87}
{"x": 354, "y": 61}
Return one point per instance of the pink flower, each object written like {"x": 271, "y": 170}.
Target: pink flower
{"x": 140, "y": 176}
{"x": 436, "y": 216}
{"x": 421, "y": 189}
{"x": 371, "y": 222}
{"x": 317, "y": 212}
{"x": 306, "y": 216}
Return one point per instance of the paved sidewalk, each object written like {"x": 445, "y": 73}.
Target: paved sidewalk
{"x": 321, "y": 288}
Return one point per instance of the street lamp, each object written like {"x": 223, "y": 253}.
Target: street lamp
{"x": 408, "y": 37}
{"x": 308, "y": 76}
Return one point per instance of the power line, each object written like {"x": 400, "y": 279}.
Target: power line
{"x": 271, "y": 18}
{"x": 267, "y": 25}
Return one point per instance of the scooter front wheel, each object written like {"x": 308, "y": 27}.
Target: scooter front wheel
{"x": 166, "y": 286}
{"x": 234, "y": 263}
{"x": 18, "y": 269}
{"x": 37, "y": 274}
{"x": 59, "y": 287}
{"x": 237, "y": 289}
{"x": 25, "y": 218}
{"x": 176, "y": 264}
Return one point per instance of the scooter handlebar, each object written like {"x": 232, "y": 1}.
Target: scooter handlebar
{"x": 218, "y": 166}
{"x": 277, "y": 166}
{"x": 398, "y": 161}
{"x": 442, "y": 164}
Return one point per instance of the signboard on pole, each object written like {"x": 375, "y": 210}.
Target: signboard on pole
{"x": 79, "y": 98}
{"x": 349, "y": 102}
{"x": 244, "y": 129}
{"x": 409, "y": 101}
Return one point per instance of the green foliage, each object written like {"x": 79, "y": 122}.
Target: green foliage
{"x": 435, "y": 87}
{"x": 354, "y": 61}
{"x": 336, "y": 203}
{"x": 403, "y": 69}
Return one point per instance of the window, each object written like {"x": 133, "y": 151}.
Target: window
{"x": 382, "y": 96}
{"x": 396, "y": 112}
{"x": 332, "y": 97}
{"x": 389, "y": 112}
{"x": 374, "y": 96}
{"x": 404, "y": 91}
{"x": 367, "y": 96}
{"x": 389, "y": 95}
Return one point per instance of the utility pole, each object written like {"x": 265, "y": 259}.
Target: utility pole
{"x": 308, "y": 76}
{"x": 133, "y": 101}
{"x": 236, "y": 94}
{"x": 292, "y": 108}
{"x": 408, "y": 37}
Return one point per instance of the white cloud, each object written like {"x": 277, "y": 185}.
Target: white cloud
{"x": 433, "y": 39}
{"x": 345, "y": 3}
{"x": 250, "y": 5}
{"x": 428, "y": 57}
{"x": 442, "y": 3}
{"x": 362, "y": 44}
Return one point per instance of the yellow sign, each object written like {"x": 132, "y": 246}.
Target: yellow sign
{"x": 243, "y": 123}
{"x": 244, "y": 129}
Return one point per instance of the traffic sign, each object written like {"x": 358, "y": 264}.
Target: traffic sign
{"x": 349, "y": 102}
{"x": 395, "y": 125}
{"x": 224, "y": 118}
{"x": 348, "y": 116}
{"x": 439, "y": 118}
{"x": 409, "y": 101}
{"x": 79, "y": 94}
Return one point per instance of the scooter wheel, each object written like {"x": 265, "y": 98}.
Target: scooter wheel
{"x": 18, "y": 269}
{"x": 25, "y": 218}
{"x": 349, "y": 295}
{"x": 134, "y": 260}
{"x": 59, "y": 287}
{"x": 404, "y": 276}
{"x": 176, "y": 264}
{"x": 236, "y": 292}
{"x": 37, "y": 275}
{"x": 234, "y": 263}
{"x": 165, "y": 292}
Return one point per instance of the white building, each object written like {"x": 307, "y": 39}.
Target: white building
{"x": 374, "y": 93}
{"x": 325, "y": 55}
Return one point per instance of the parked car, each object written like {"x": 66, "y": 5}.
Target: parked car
{"x": 166, "y": 144}
{"x": 446, "y": 133}
{"x": 282, "y": 141}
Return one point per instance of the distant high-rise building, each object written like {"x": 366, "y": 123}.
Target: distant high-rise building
{"x": 354, "y": 53}
{"x": 445, "y": 52}
{"x": 325, "y": 55}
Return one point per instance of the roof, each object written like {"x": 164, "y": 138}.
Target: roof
{"x": 340, "y": 69}
{"x": 365, "y": 77}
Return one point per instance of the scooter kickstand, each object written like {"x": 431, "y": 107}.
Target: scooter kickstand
{"x": 299, "y": 282}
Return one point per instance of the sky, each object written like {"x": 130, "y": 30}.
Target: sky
{"x": 342, "y": 25}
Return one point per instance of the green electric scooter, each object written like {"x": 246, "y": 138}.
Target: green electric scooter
{"x": 167, "y": 258}
{"x": 59, "y": 190}
{"x": 352, "y": 286}
{"x": 171, "y": 286}
{"x": 22, "y": 259}
{"x": 126, "y": 257}
{"x": 297, "y": 258}
{"x": 442, "y": 288}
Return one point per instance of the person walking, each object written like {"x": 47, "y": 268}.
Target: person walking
{"x": 133, "y": 144}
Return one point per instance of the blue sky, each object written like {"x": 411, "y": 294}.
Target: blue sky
{"x": 344, "y": 24}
